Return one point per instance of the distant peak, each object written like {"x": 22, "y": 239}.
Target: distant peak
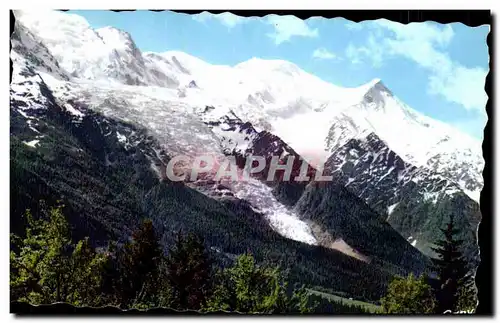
{"x": 374, "y": 82}
{"x": 375, "y": 85}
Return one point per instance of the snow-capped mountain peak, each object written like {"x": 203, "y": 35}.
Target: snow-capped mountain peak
{"x": 116, "y": 38}
{"x": 311, "y": 115}
{"x": 376, "y": 87}
{"x": 107, "y": 53}
{"x": 376, "y": 82}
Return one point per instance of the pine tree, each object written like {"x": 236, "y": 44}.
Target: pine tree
{"x": 454, "y": 284}
{"x": 139, "y": 263}
{"x": 189, "y": 272}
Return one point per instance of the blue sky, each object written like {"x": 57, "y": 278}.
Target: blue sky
{"x": 437, "y": 69}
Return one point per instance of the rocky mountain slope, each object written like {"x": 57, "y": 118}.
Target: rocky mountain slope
{"x": 414, "y": 200}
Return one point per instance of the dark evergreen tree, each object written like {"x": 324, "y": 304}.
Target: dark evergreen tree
{"x": 453, "y": 281}
{"x": 138, "y": 265}
{"x": 189, "y": 272}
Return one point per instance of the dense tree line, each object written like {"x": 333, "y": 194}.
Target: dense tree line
{"x": 450, "y": 290}
{"x": 48, "y": 267}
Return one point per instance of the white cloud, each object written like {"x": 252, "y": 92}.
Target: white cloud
{"x": 419, "y": 32}
{"x": 425, "y": 44}
{"x": 473, "y": 126}
{"x": 355, "y": 53}
{"x": 372, "y": 51}
{"x": 323, "y": 53}
{"x": 286, "y": 27}
{"x": 461, "y": 85}
{"x": 226, "y": 18}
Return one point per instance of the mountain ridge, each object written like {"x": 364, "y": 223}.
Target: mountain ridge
{"x": 414, "y": 200}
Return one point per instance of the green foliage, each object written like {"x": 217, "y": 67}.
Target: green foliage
{"x": 409, "y": 295}
{"x": 301, "y": 301}
{"x": 49, "y": 268}
{"x": 467, "y": 297}
{"x": 248, "y": 288}
{"x": 454, "y": 287}
{"x": 86, "y": 280}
